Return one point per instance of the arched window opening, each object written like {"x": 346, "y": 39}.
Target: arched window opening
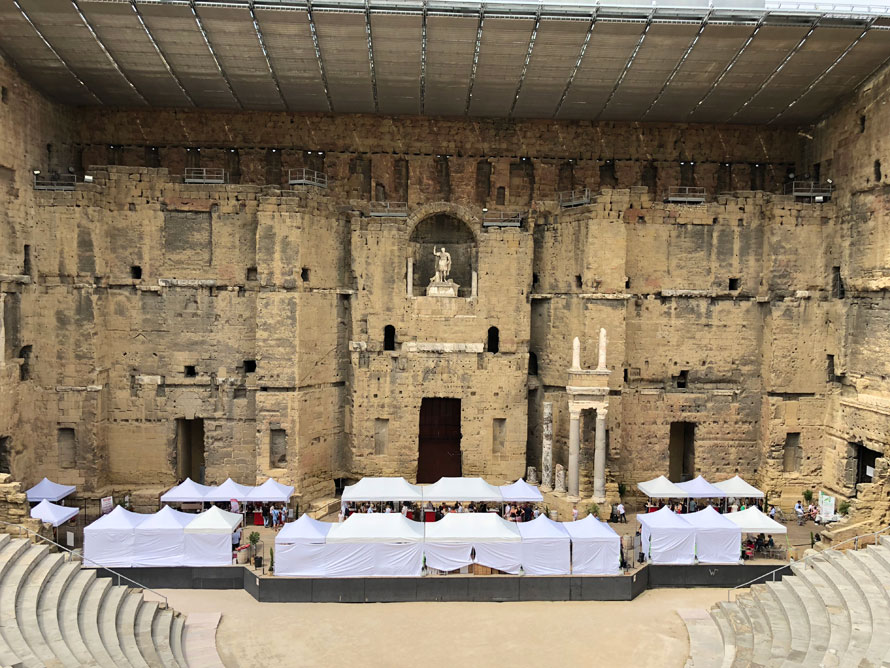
{"x": 389, "y": 338}
{"x": 494, "y": 342}
{"x": 532, "y": 364}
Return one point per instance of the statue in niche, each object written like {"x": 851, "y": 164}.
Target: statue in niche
{"x": 440, "y": 284}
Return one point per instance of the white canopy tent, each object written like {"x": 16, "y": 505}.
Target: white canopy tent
{"x": 661, "y": 488}
{"x": 47, "y": 490}
{"x": 545, "y": 547}
{"x": 667, "y": 538}
{"x": 751, "y": 520}
{"x": 717, "y": 540}
{"x": 188, "y": 491}
{"x": 450, "y": 542}
{"x": 462, "y": 489}
{"x": 227, "y": 491}
{"x": 699, "y": 488}
{"x": 300, "y": 547}
{"x": 382, "y": 489}
{"x": 109, "y": 540}
{"x": 50, "y": 513}
{"x": 596, "y": 548}
{"x": 521, "y": 492}
{"x": 737, "y": 488}
{"x": 376, "y": 544}
{"x": 270, "y": 491}
{"x": 160, "y": 539}
{"x": 208, "y": 538}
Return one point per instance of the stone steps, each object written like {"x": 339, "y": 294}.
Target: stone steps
{"x": 57, "y": 614}
{"x": 833, "y": 612}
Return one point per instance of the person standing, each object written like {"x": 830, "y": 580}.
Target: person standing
{"x": 574, "y": 513}
{"x": 621, "y": 516}
{"x": 236, "y": 538}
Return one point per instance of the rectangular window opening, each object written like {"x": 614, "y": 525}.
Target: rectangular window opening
{"x": 190, "y": 371}
{"x": 249, "y": 366}
{"x": 67, "y": 448}
{"x": 735, "y": 283}
{"x": 682, "y": 379}
{"x": 252, "y": 274}
{"x": 837, "y": 284}
{"x": 136, "y": 272}
{"x": 381, "y": 435}
{"x": 304, "y": 274}
{"x": 498, "y": 434}
{"x": 791, "y": 453}
{"x": 277, "y": 448}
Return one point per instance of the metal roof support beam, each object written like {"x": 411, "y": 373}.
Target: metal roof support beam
{"x": 475, "y": 60}
{"x": 371, "y": 54}
{"x": 581, "y": 52}
{"x": 56, "y": 53}
{"x": 528, "y": 57}
{"x": 629, "y": 63}
{"x": 423, "y": 58}
{"x": 324, "y": 77}
{"x": 679, "y": 65}
{"x": 107, "y": 54}
{"x": 775, "y": 73}
{"x": 259, "y": 36}
{"x": 825, "y": 72}
{"x": 160, "y": 53}
{"x": 219, "y": 66}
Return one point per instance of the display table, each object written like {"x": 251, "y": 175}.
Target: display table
{"x": 429, "y": 515}
{"x": 258, "y": 518}
{"x": 410, "y": 515}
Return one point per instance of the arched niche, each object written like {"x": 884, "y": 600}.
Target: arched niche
{"x": 434, "y": 232}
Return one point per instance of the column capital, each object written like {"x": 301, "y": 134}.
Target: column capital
{"x": 574, "y": 413}
{"x": 601, "y": 413}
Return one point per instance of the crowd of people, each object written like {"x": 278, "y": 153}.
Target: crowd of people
{"x": 516, "y": 512}
{"x": 693, "y": 505}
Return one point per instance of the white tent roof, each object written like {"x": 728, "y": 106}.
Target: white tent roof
{"x": 376, "y": 528}
{"x": 215, "y": 520}
{"x": 699, "y": 488}
{"x": 751, "y": 520}
{"x": 461, "y": 489}
{"x": 49, "y": 490}
{"x": 661, "y": 488}
{"x": 117, "y": 519}
{"x": 663, "y": 519}
{"x": 271, "y": 491}
{"x": 521, "y": 491}
{"x": 469, "y": 527}
{"x": 542, "y": 528}
{"x": 589, "y": 528}
{"x": 382, "y": 489}
{"x": 227, "y": 491}
{"x": 304, "y": 530}
{"x": 52, "y": 514}
{"x": 188, "y": 491}
{"x": 166, "y": 519}
{"x": 737, "y": 488}
{"x": 708, "y": 518}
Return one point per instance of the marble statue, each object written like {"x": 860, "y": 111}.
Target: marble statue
{"x": 601, "y": 366}
{"x": 560, "y": 478}
{"x": 443, "y": 266}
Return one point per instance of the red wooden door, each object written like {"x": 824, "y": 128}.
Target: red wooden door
{"x": 439, "y": 440}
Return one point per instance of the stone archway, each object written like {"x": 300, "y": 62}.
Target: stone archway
{"x": 434, "y": 231}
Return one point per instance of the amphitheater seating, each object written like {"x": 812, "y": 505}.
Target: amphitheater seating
{"x": 55, "y": 613}
{"x": 833, "y": 611}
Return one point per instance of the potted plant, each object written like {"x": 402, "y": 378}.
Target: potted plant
{"x": 808, "y": 496}
{"x": 271, "y": 559}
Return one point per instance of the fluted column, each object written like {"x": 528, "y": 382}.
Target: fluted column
{"x": 574, "y": 452}
{"x": 599, "y": 457}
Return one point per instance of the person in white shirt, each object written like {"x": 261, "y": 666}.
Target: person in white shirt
{"x": 388, "y": 509}
{"x": 574, "y": 513}
{"x": 404, "y": 510}
{"x": 621, "y": 516}
{"x": 371, "y": 508}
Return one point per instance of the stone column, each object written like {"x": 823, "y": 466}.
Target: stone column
{"x": 599, "y": 457}
{"x": 602, "y": 351}
{"x": 474, "y": 286}
{"x": 2, "y": 331}
{"x": 410, "y": 276}
{"x": 574, "y": 478}
{"x": 547, "y": 447}
{"x": 576, "y": 354}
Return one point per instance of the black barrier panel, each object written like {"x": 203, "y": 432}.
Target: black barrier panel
{"x": 498, "y": 588}
{"x": 182, "y": 577}
{"x": 445, "y": 588}
{"x": 639, "y": 582}
{"x": 390, "y": 590}
{"x": 554, "y": 588}
{"x": 702, "y": 575}
{"x": 617, "y": 588}
{"x": 285, "y": 590}
{"x": 338, "y": 590}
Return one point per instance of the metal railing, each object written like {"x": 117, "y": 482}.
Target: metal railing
{"x": 307, "y": 177}
{"x": 855, "y": 540}
{"x": 83, "y": 557}
{"x": 55, "y": 181}
{"x": 389, "y": 209}
{"x": 502, "y": 219}
{"x": 810, "y": 190}
{"x": 570, "y": 198}
{"x": 204, "y": 175}
{"x": 685, "y": 195}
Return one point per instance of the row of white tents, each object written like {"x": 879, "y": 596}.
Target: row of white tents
{"x": 699, "y": 488}
{"x": 705, "y": 536}
{"x": 445, "y": 489}
{"x": 166, "y": 538}
{"x": 189, "y": 491}
{"x": 388, "y": 544}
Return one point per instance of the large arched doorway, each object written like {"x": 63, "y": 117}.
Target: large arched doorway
{"x": 431, "y": 234}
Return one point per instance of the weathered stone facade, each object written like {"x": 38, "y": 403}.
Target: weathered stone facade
{"x": 143, "y": 303}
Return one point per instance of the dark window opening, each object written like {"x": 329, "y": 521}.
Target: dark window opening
{"x": 758, "y": 176}
{"x": 67, "y": 442}
{"x": 579, "y": 282}
{"x": 681, "y": 452}
{"x": 627, "y": 283}
{"x": 400, "y": 178}
{"x": 389, "y": 338}
{"x": 501, "y": 196}
{"x": 837, "y": 284}
{"x": 27, "y": 269}
{"x": 190, "y": 449}
{"x": 625, "y": 375}
{"x": 735, "y": 283}
{"x": 4, "y": 94}
{"x": 25, "y": 368}
{"x": 192, "y": 158}
{"x": 878, "y": 175}
{"x": 607, "y": 174}
{"x": 565, "y": 179}
{"x": 817, "y": 172}
{"x": 190, "y": 371}
{"x": 832, "y": 378}
{"x": 862, "y": 124}
{"x": 724, "y": 177}
{"x": 113, "y": 155}
{"x": 251, "y": 274}
{"x": 498, "y": 434}
{"x": 532, "y": 364}
{"x": 379, "y": 192}
{"x": 443, "y": 178}
{"x": 493, "y": 340}
{"x": 649, "y": 176}
{"x": 534, "y": 279}
{"x": 791, "y": 453}
{"x": 273, "y": 166}
{"x": 233, "y": 165}
{"x": 277, "y": 448}
{"x": 136, "y": 271}
{"x": 687, "y": 174}
{"x": 483, "y": 181}
{"x": 865, "y": 463}
{"x": 683, "y": 379}
{"x": 4, "y": 449}
{"x": 249, "y": 366}
{"x": 152, "y": 157}
{"x": 304, "y": 274}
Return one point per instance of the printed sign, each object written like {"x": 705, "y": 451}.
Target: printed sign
{"x": 826, "y": 505}
{"x": 107, "y": 504}
{"x": 69, "y": 538}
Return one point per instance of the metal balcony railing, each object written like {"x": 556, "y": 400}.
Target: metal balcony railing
{"x": 54, "y": 181}
{"x": 307, "y": 177}
{"x": 570, "y": 198}
{"x": 810, "y": 190}
{"x": 502, "y": 219}
{"x": 389, "y": 209}
{"x": 685, "y": 195}
{"x": 204, "y": 175}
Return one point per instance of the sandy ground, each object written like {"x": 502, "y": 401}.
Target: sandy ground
{"x": 639, "y": 633}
